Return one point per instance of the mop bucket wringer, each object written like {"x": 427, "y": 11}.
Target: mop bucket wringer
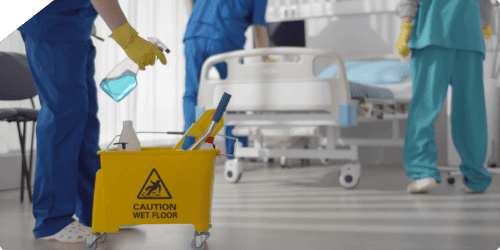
{"x": 158, "y": 185}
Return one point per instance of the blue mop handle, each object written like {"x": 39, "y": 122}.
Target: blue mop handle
{"x": 221, "y": 108}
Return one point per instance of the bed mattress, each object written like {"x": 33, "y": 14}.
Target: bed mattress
{"x": 383, "y": 91}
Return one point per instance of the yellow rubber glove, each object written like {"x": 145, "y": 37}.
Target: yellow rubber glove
{"x": 142, "y": 52}
{"x": 402, "y": 43}
{"x": 268, "y": 60}
{"x": 487, "y": 32}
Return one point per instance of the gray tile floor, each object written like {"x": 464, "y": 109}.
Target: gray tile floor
{"x": 305, "y": 208}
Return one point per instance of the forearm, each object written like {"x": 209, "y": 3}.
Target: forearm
{"x": 189, "y": 6}
{"x": 407, "y": 19}
{"x": 262, "y": 37}
{"x": 486, "y": 7}
{"x": 407, "y": 9}
{"x": 111, "y": 13}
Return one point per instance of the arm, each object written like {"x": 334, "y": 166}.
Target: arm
{"x": 189, "y": 6}
{"x": 262, "y": 36}
{"x": 259, "y": 19}
{"x": 486, "y": 8}
{"x": 262, "y": 40}
{"x": 142, "y": 52}
{"x": 407, "y": 9}
{"x": 110, "y": 12}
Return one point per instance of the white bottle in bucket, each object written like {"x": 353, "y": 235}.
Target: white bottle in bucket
{"x": 129, "y": 136}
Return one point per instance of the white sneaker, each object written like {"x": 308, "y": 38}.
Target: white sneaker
{"x": 422, "y": 185}
{"x": 72, "y": 233}
{"x": 468, "y": 190}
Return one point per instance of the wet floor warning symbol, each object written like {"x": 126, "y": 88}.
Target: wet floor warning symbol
{"x": 154, "y": 188}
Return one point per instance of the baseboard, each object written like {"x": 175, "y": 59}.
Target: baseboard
{"x": 10, "y": 170}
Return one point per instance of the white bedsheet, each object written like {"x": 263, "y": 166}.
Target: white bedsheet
{"x": 402, "y": 90}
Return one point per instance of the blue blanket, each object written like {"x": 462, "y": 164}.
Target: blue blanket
{"x": 364, "y": 77}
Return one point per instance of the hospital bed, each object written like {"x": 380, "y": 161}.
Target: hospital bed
{"x": 288, "y": 99}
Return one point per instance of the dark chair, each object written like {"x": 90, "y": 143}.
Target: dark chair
{"x": 16, "y": 83}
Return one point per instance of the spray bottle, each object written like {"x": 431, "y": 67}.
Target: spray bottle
{"x": 123, "y": 78}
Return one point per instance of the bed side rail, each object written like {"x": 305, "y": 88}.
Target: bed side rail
{"x": 288, "y": 84}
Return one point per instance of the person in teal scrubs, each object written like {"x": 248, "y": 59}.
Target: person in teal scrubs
{"x": 447, "y": 47}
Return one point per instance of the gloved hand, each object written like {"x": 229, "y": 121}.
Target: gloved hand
{"x": 402, "y": 43}
{"x": 487, "y": 32}
{"x": 142, "y": 52}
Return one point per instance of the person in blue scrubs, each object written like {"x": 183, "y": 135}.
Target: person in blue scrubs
{"x": 447, "y": 47}
{"x": 218, "y": 26}
{"x": 61, "y": 57}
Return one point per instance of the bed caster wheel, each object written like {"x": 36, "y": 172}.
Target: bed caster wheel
{"x": 493, "y": 165}
{"x": 450, "y": 180}
{"x": 268, "y": 160}
{"x": 325, "y": 161}
{"x": 305, "y": 162}
{"x": 283, "y": 162}
{"x": 232, "y": 171}
{"x": 350, "y": 175}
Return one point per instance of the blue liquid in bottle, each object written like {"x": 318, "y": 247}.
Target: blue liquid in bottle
{"x": 118, "y": 88}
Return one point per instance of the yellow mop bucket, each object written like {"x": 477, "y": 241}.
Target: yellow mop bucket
{"x": 157, "y": 185}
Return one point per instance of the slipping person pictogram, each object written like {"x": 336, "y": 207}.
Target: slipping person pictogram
{"x": 156, "y": 185}
{"x": 154, "y": 188}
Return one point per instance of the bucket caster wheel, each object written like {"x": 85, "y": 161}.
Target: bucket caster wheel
{"x": 200, "y": 241}
{"x": 350, "y": 175}
{"x": 451, "y": 180}
{"x": 102, "y": 238}
{"x": 93, "y": 246}
{"x": 90, "y": 243}
{"x": 232, "y": 171}
{"x": 202, "y": 247}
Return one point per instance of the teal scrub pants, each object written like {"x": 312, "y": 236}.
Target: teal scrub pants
{"x": 433, "y": 68}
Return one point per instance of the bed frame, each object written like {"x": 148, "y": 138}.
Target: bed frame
{"x": 286, "y": 99}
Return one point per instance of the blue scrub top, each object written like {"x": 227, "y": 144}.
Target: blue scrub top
{"x": 62, "y": 20}
{"x": 225, "y": 19}
{"x": 453, "y": 24}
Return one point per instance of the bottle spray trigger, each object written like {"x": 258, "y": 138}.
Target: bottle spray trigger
{"x": 159, "y": 44}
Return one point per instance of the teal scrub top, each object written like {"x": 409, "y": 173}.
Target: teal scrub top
{"x": 225, "y": 19}
{"x": 453, "y": 24}
{"x": 62, "y": 20}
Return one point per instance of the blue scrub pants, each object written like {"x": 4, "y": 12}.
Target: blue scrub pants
{"x": 197, "y": 50}
{"x": 433, "y": 68}
{"x": 67, "y": 133}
